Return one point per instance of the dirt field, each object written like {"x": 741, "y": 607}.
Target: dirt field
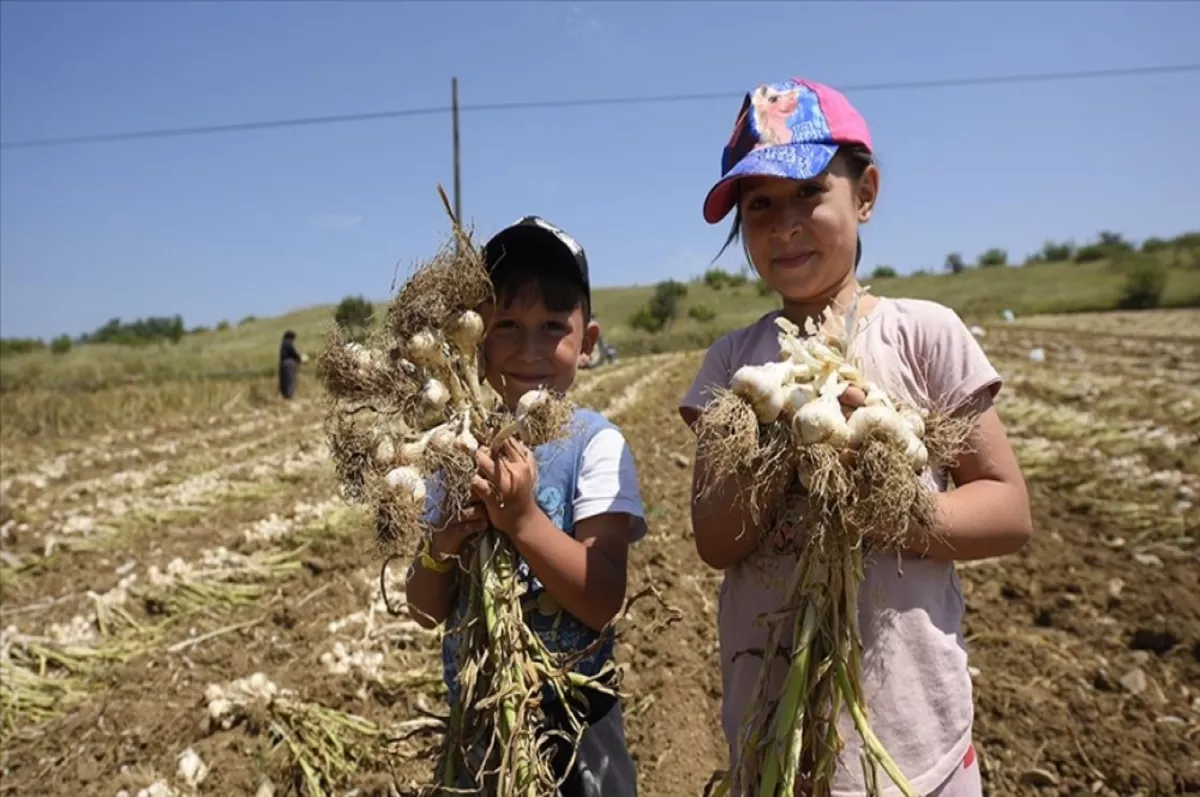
{"x": 142, "y": 567}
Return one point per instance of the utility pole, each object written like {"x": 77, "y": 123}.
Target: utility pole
{"x": 457, "y": 180}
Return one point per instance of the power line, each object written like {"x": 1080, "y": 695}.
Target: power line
{"x": 304, "y": 121}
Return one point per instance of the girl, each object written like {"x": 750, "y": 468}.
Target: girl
{"x": 800, "y": 176}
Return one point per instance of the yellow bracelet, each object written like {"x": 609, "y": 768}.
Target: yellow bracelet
{"x": 432, "y": 564}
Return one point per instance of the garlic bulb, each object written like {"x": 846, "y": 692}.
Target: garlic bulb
{"x": 407, "y": 481}
{"x": 914, "y": 420}
{"x": 917, "y": 454}
{"x": 796, "y": 397}
{"x": 423, "y": 348}
{"x": 467, "y": 332}
{"x": 441, "y": 439}
{"x": 465, "y": 441}
{"x": 867, "y": 419}
{"x": 360, "y": 353}
{"x": 436, "y": 393}
{"x": 385, "y": 451}
{"x": 877, "y": 398}
{"x": 530, "y": 401}
{"x": 762, "y": 386}
{"x": 821, "y": 421}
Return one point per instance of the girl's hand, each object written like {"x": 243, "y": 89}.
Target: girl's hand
{"x": 851, "y": 399}
{"x": 504, "y": 484}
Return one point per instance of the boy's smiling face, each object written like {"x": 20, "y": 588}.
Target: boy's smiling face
{"x": 529, "y": 346}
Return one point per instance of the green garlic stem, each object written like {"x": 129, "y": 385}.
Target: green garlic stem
{"x": 874, "y": 747}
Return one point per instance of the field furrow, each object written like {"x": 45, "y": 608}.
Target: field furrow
{"x": 146, "y": 570}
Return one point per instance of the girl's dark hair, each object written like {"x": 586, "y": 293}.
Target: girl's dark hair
{"x": 857, "y": 158}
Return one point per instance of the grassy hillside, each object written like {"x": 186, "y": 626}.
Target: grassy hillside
{"x": 251, "y": 348}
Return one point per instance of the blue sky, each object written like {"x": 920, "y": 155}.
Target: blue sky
{"x": 221, "y": 226}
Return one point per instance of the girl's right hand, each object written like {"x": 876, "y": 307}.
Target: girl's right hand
{"x": 447, "y": 540}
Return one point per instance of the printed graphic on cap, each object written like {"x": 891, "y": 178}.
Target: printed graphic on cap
{"x": 786, "y": 113}
{"x": 571, "y": 243}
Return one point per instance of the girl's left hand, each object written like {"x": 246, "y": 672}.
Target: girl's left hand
{"x": 504, "y": 483}
{"x": 851, "y": 399}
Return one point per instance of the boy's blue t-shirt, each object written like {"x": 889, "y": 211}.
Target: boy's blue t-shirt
{"x": 558, "y": 493}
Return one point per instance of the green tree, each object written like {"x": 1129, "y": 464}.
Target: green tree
{"x": 993, "y": 257}
{"x": 955, "y": 264}
{"x": 883, "y": 272}
{"x": 353, "y": 314}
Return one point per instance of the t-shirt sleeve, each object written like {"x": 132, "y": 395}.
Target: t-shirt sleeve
{"x": 715, "y": 372}
{"x": 957, "y": 371}
{"x": 608, "y": 481}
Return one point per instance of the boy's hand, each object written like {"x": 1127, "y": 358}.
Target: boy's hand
{"x": 504, "y": 483}
{"x": 446, "y": 541}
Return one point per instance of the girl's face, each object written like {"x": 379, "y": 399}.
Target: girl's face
{"x": 802, "y": 234}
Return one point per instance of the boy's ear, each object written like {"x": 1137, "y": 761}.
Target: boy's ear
{"x": 591, "y": 333}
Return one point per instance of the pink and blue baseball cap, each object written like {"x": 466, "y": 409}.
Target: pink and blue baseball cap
{"x": 790, "y": 129}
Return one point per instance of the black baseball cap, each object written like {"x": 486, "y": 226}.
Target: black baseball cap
{"x": 534, "y": 236}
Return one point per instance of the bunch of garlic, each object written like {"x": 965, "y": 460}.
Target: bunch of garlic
{"x": 451, "y": 362}
{"x": 803, "y": 388}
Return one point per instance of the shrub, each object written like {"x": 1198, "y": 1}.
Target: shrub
{"x": 1145, "y": 281}
{"x": 716, "y": 278}
{"x": 1090, "y": 253}
{"x": 353, "y": 314}
{"x": 883, "y": 272}
{"x": 702, "y": 313}
{"x": 222, "y": 326}
{"x": 61, "y": 344}
{"x": 954, "y": 263}
{"x": 645, "y": 320}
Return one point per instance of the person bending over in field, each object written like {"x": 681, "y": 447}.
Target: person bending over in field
{"x": 571, "y": 507}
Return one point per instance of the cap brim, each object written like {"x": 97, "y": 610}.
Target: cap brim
{"x": 791, "y": 161}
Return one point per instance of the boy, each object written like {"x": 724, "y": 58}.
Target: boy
{"x": 571, "y": 508}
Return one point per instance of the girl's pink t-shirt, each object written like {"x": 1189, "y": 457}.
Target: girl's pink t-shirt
{"x": 914, "y": 672}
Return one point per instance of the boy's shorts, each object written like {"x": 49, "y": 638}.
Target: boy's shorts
{"x": 603, "y": 766}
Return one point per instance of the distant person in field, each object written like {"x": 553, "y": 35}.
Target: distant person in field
{"x": 289, "y": 365}
{"x": 800, "y": 178}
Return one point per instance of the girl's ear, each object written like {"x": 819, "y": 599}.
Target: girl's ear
{"x": 866, "y": 192}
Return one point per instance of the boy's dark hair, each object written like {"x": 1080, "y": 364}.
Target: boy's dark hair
{"x": 534, "y": 259}
{"x": 857, "y": 159}
{"x": 519, "y": 278}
